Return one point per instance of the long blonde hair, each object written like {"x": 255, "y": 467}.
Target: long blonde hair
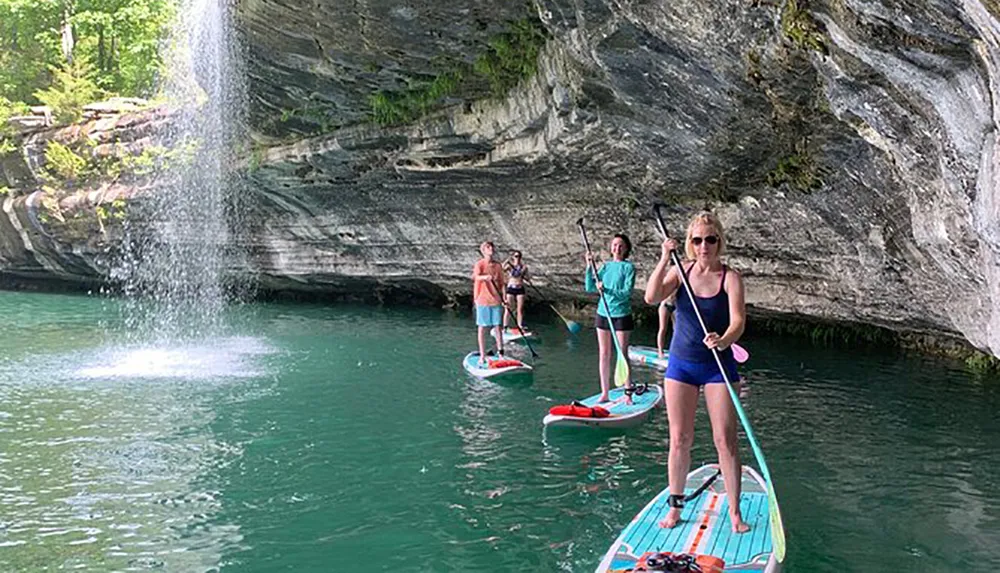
{"x": 706, "y": 218}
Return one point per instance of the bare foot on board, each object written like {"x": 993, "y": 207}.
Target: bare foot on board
{"x": 739, "y": 526}
{"x": 672, "y": 519}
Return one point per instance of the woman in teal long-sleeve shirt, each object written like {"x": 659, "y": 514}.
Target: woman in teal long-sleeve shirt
{"x": 617, "y": 279}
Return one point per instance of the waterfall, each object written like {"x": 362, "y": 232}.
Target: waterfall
{"x": 180, "y": 263}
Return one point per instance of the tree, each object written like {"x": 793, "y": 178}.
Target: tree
{"x": 118, "y": 39}
{"x": 71, "y": 89}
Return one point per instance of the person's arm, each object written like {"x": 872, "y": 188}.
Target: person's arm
{"x": 661, "y": 332}
{"x": 737, "y": 310}
{"x": 589, "y": 282}
{"x": 664, "y": 280}
{"x": 481, "y": 272}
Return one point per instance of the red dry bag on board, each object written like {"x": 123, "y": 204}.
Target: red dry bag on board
{"x": 579, "y": 411}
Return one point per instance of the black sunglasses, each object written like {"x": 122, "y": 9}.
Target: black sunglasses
{"x": 711, "y": 240}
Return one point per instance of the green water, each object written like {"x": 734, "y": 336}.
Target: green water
{"x": 313, "y": 438}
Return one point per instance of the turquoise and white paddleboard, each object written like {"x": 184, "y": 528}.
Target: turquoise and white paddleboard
{"x": 623, "y": 415}
{"x": 646, "y": 356}
{"x": 494, "y": 366}
{"x": 704, "y": 529}
{"x": 513, "y": 334}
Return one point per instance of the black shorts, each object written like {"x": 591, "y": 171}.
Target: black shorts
{"x": 515, "y": 290}
{"x": 621, "y": 323}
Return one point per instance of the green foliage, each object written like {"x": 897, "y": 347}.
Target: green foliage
{"x": 9, "y": 109}
{"x": 256, "y": 157}
{"x": 798, "y": 169}
{"x": 981, "y": 362}
{"x": 71, "y": 89}
{"x": 629, "y": 204}
{"x": 829, "y": 333}
{"x": 115, "y": 211}
{"x": 390, "y": 108}
{"x": 321, "y": 114}
{"x": 65, "y": 166}
{"x": 511, "y": 56}
{"x": 62, "y": 163}
{"x": 146, "y": 163}
{"x": 156, "y": 158}
{"x": 119, "y": 38}
{"x": 29, "y": 44}
{"x": 800, "y": 27}
{"x": 122, "y": 38}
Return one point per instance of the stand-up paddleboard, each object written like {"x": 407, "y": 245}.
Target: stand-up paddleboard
{"x": 623, "y": 415}
{"x": 646, "y": 356}
{"x": 514, "y": 334}
{"x": 704, "y": 533}
{"x": 494, "y": 366}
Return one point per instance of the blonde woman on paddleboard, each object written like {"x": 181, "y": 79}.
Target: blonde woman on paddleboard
{"x": 718, "y": 291}
{"x": 617, "y": 279}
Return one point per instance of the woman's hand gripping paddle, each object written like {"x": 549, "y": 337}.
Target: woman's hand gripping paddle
{"x": 621, "y": 363}
{"x": 777, "y": 528}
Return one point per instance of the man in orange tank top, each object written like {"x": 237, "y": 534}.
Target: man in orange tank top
{"x": 487, "y": 280}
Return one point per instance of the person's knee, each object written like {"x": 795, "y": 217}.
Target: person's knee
{"x": 681, "y": 439}
{"x": 726, "y": 443}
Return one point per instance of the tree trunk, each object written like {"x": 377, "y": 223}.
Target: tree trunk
{"x": 113, "y": 52}
{"x": 67, "y": 37}
{"x": 100, "y": 48}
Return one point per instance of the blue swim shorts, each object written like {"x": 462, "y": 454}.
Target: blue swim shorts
{"x": 699, "y": 373}
{"x": 489, "y": 315}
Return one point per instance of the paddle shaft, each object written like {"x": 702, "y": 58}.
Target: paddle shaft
{"x": 545, "y": 301}
{"x": 600, "y": 292}
{"x": 524, "y": 336}
{"x": 758, "y": 454}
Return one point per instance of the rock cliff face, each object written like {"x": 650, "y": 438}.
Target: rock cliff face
{"x": 64, "y": 197}
{"x": 850, "y": 147}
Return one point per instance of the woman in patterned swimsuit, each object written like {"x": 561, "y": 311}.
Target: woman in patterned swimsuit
{"x": 515, "y": 287}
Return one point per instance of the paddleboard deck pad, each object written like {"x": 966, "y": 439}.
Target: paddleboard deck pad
{"x": 623, "y": 415}
{"x": 704, "y": 533}
{"x": 646, "y": 356}
{"x": 494, "y": 366}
